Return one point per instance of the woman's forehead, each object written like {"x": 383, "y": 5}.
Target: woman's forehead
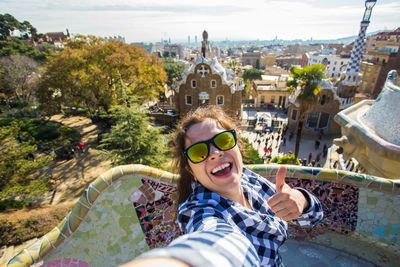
{"x": 203, "y": 130}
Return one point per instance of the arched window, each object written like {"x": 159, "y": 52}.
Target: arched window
{"x": 194, "y": 83}
{"x": 220, "y": 100}
{"x": 213, "y": 84}
{"x": 318, "y": 121}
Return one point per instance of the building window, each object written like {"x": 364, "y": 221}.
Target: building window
{"x": 341, "y": 63}
{"x": 334, "y": 68}
{"x": 373, "y": 80}
{"x": 294, "y": 114}
{"x": 188, "y": 100}
{"x": 335, "y": 62}
{"x": 317, "y": 121}
{"x": 362, "y": 67}
{"x": 363, "y": 87}
{"x": 376, "y": 71}
{"x": 262, "y": 99}
{"x": 194, "y": 83}
{"x": 272, "y": 99}
{"x": 366, "y": 78}
{"x": 323, "y": 98}
{"x": 369, "y": 69}
{"x": 220, "y": 100}
{"x": 213, "y": 84}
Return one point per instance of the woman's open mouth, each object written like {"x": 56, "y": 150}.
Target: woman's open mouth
{"x": 223, "y": 170}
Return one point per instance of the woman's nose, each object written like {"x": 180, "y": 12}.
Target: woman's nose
{"x": 215, "y": 152}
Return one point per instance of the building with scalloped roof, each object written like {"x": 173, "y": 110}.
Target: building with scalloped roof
{"x": 207, "y": 82}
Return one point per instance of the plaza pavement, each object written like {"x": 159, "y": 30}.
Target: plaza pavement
{"x": 307, "y": 143}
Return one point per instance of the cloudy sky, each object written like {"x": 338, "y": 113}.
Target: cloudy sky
{"x": 151, "y": 20}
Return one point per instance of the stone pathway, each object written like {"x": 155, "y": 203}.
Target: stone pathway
{"x": 74, "y": 175}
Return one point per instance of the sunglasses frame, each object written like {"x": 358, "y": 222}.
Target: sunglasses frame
{"x": 208, "y": 142}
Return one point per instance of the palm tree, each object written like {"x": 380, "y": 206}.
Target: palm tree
{"x": 234, "y": 65}
{"x": 306, "y": 88}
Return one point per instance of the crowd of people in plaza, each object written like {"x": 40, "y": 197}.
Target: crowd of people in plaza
{"x": 270, "y": 141}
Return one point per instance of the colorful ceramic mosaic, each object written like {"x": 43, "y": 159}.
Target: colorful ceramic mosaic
{"x": 154, "y": 205}
{"x": 339, "y": 203}
{"x": 130, "y": 209}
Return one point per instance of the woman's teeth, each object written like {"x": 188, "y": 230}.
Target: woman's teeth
{"x": 220, "y": 167}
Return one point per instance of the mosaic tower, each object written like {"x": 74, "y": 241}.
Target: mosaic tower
{"x": 351, "y": 78}
{"x": 359, "y": 45}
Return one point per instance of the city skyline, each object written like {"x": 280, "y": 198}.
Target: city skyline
{"x": 153, "y": 20}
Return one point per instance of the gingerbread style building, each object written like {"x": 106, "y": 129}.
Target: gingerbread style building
{"x": 207, "y": 82}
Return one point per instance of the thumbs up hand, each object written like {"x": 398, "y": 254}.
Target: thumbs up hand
{"x": 287, "y": 203}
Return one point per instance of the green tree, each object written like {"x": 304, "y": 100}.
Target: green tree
{"x": 14, "y": 46}
{"x": 92, "y": 74}
{"x": 249, "y": 76}
{"x": 132, "y": 139}
{"x": 250, "y": 154}
{"x": 166, "y": 54}
{"x": 8, "y": 24}
{"x": 252, "y": 74}
{"x": 286, "y": 159}
{"x": 173, "y": 70}
{"x": 234, "y": 65}
{"x": 19, "y": 161}
{"x": 306, "y": 86}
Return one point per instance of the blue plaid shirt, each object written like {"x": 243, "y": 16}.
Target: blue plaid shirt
{"x": 220, "y": 232}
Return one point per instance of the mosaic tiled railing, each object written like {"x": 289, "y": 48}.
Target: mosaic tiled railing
{"x": 129, "y": 210}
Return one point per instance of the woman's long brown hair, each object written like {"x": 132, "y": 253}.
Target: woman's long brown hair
{"x": 180, "y": 163}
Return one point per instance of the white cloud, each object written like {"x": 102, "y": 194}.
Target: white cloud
{"x": 151, "y": 20}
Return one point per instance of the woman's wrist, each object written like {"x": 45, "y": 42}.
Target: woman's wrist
{"x": 306, "y": 198}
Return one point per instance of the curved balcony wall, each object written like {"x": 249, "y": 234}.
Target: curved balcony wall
{"x": 130, "y": 209}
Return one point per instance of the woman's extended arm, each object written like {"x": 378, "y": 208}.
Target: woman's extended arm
{"x": 217, "y": 244}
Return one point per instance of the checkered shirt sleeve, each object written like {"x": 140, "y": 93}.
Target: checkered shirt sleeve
{"x": 216, "y": 244}
{"x": 313, "y": 214}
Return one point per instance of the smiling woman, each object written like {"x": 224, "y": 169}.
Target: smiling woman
{"x": 230, "y": 215}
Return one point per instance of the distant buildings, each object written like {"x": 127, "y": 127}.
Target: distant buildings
{"x": 118, "y": 38}
{"x": 55, "y": 38}
{"x": 252, "y": 58}
{"x": 335, "y": 64}
{"x": 178, "y": 49}
{"x": 288, "y": 61}
{"x": 258, "y": 59}
{"x": 383, "y": 55}
{"x": 271, "y": 91}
